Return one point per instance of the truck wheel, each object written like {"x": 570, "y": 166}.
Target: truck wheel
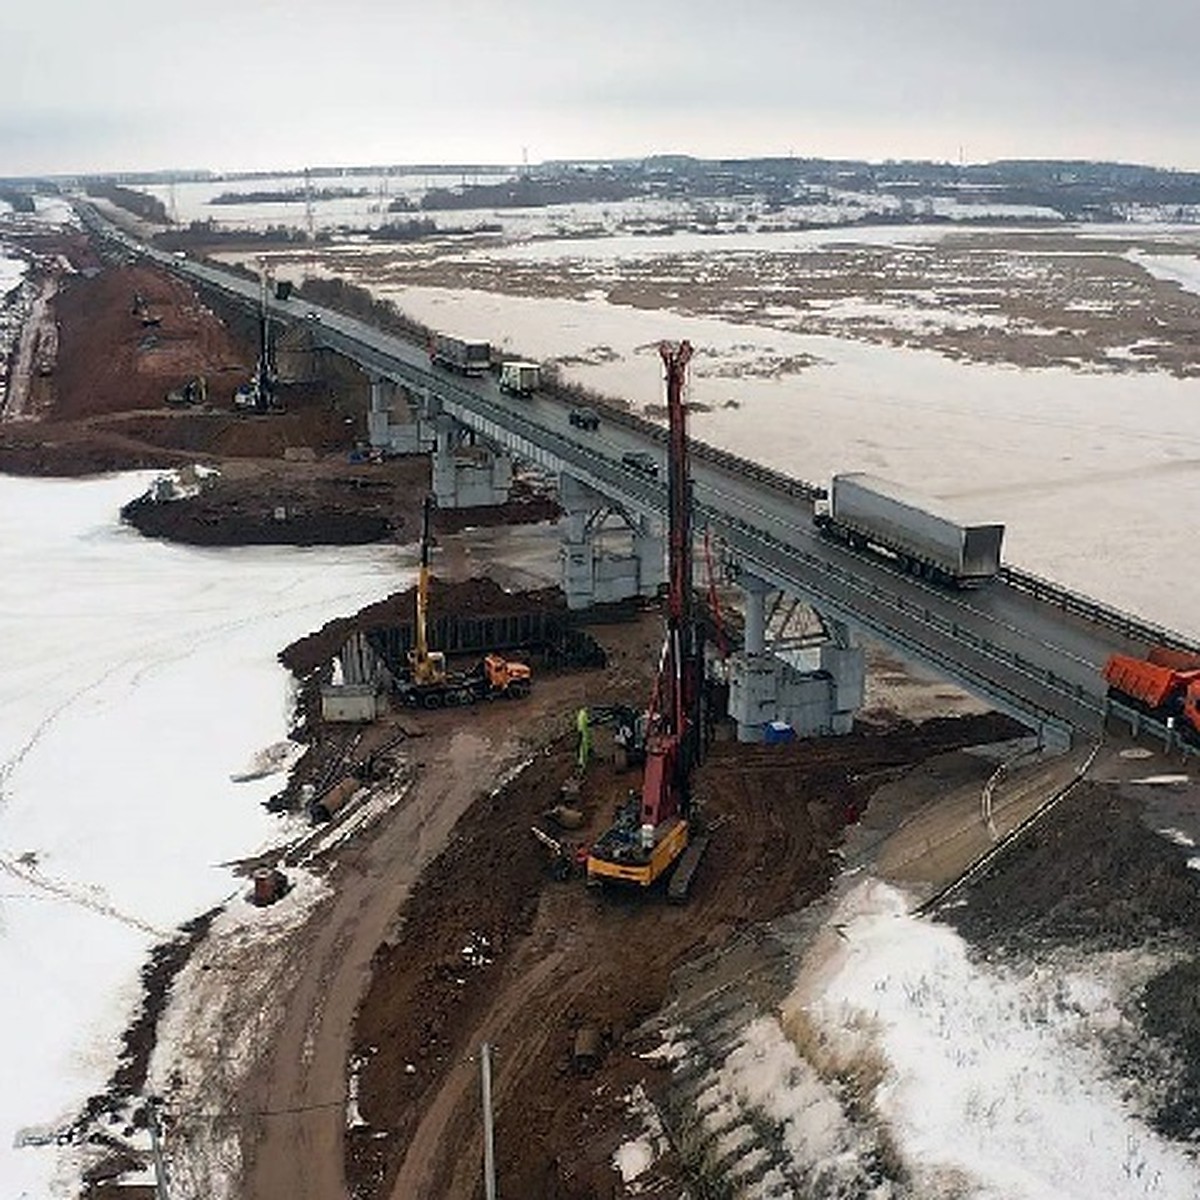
{"x": 431, "y": 700}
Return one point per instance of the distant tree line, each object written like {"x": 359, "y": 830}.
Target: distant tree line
{"x": 141, "y": 204}
{"x": 208, "y": 233}
{"x": 290, "y": 196}
{"x": 21, "y": 202}
{"x": 577, "y": 187}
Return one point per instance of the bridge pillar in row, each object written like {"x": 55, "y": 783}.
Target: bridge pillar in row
{"x": 466, "y": 473}
{"x": 816, "y": 691}
{"x": 398, "y": 420}
{"x": 606, "y": 554}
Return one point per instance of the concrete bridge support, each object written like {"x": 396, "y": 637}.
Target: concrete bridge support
{"x": 466, "y": 473}
{"x": 606, "y": 554}
{"x": 399, "y": 419}
{"x": 815, "y": 691}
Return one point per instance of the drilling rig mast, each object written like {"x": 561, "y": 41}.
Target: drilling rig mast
{"x": 651, "y": 834}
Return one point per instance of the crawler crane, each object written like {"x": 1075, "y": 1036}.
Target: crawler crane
{"x": 428, "y": 683}
{"x": 652, "y": 833}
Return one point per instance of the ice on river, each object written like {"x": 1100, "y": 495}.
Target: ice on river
{"x": 138, "y": 677}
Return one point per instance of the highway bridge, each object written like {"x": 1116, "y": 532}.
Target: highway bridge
{"x": 1026, "y": 645}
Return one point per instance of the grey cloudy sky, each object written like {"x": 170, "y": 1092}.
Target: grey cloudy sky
{"x": 91, "y": 85}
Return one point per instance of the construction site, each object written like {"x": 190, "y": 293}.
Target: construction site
{"x": 545, "y": 848}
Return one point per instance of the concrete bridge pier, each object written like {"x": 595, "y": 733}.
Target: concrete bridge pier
{"x": 816, "y": 691}
{"x": 607, "y": 555}
{"x": 399, "y": 420}
{"x": 467, "y": 473}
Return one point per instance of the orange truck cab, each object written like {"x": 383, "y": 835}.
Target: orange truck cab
{"x": 507, "y": 677}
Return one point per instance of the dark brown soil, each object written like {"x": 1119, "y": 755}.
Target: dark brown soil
{"x": 1089, "y": 874}
{"x": 558, "y": 956}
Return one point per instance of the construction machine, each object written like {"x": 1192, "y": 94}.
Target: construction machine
{"x": 652, "y": 831}
{"x": 428, "y": 683}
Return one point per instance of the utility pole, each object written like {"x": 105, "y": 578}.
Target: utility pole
{"x": 160, "y": 1168}
{"x": 489, "y": 1144}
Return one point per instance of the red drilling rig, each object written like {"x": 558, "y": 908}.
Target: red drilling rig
{"x": 651, "y": 836}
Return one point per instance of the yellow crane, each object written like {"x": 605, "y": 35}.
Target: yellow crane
{"x": 429, "y": 684}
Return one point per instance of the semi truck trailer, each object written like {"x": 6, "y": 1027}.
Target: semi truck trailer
{"x": 867, "y": 512}
{"x": 458, "y": 354}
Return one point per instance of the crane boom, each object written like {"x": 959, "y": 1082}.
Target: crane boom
{"x": 426, "y": 667}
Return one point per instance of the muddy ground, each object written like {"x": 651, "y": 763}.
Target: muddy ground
{"x": 493, "y": 948}
{"x": 131, "y": 334}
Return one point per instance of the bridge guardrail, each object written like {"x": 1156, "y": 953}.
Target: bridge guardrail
{"x": 798, "y": 489}
{"x": 1124, "y": 623}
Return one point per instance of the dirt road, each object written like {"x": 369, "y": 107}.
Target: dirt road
{"x": 300, "y": 1154}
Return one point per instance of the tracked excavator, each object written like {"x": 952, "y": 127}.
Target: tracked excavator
{"x": 653, "y": 832}
{"x": 428, "y": 683}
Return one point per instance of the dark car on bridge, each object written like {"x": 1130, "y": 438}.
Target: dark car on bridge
{"x": 641, "y": 462}
{"x": 584, "y": 418}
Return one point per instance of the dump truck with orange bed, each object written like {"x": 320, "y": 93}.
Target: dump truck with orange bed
{"x": 1160, "y": 690}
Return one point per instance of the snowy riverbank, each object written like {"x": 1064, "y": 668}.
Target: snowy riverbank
{"x": 138, "y": 677}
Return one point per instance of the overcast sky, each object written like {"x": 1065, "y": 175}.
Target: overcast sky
{"x": 94, "y": 85}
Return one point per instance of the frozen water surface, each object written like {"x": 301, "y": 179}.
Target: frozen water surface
{"x": 138, "y": 677}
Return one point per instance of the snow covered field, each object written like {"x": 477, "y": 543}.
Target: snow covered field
{"x": 900, "y": 1068}
{"x": 138, "y": 677}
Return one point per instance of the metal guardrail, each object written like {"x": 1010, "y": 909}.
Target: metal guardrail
{"x": 1130, "y": 626}
{"x": 797, "y": 489}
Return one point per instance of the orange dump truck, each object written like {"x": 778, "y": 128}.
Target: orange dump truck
{"x": 1164, "y": 684}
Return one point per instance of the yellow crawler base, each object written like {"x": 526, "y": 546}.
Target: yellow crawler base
{"x": 631, "y": 864}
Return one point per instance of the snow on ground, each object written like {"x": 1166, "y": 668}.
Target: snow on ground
{"x": 1183, "y": 269}
{"x": 616, "y": 249}
{"x": 986, "y": 1076}
{"x": 138, "y": 677}
{"x": 12, "y": 271}
{"x": 1097, "y": 476}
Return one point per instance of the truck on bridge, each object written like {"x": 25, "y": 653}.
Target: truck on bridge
{"x": 1165, "y": 685}
{"x": 461, "y": 355}
{"x": 520, "y": 378}
{"x": 867, "y": 512}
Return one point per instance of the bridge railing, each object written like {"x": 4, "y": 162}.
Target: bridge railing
{"x": 1128, "y": 625}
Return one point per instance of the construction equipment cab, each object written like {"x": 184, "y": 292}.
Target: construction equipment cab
{"x": 506, "y": 678}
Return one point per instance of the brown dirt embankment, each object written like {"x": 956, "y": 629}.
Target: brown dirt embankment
{"x": 129, "y": 334}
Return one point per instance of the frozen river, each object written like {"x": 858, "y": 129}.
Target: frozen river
{"x": 138, "y": 677}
